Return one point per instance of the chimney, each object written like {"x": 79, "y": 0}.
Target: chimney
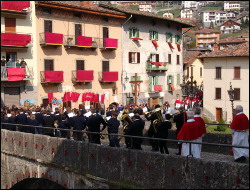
{"x": 86, "y": 3}
{"x": 216, "y": 47}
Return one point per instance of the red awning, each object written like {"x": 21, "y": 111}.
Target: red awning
{"x": 155, "y": 43}
{"x": 15, "y": 5}
{"x": 158, "y": 88}
{"x": 53, "y": 38}
{"x": 172, "y": 86}
{"x": 137, "y": 38}
{"x": 111, "y": 43}
{"x": 179, "y": 47}
{"x": 15, "y": 74}
{"x": 84, "y": 75}
{"x": 83, "y": 41}
{"x": 53, "y": 76}
{"x": 110, "y": 76}
{"x": 12, "y": 39}
{"x": 170, "y": 45}
{"x": 159, "y": 63}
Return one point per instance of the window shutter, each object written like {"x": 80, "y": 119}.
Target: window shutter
{"x": 237, "y": 72}
{"x": 157, "y": 57}
{"x": 138, "y": 57}
{"x": 150, "y": 81}
{"x": 172, "y": 78}
{"x": 167, "y": 37}
{"x": 137, "y": 33}
{"x": 171, "y": 38}
{"x": 156, "y": 80}
{"x": 178, "y": 59}
{"x": 169, "y": 58}
{"x": 200, "y": 71}
{"x": 188, "y": 72}
{"x": 130, "y": 57}
{"x": 130, "y": 32}
{"x": 150, "y": 35}
{"x": 178, "y": 79}
{"x": 156, "y": 36}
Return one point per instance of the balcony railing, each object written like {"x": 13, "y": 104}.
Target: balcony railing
{"x": 152, "y": 66}
{"x": 82, "y": 76}
{"x": 79, "y": 41}
{"x": 51, "y": 76}
{"x": 155, "y": 88}
{"x": 15, "y": 7}
{"x": 107, "y": 43}
{"x": 29, "y": 75}
{"x": 13, "y": 39}
{"x": 47, "y": 38}
{"x": 108, "y": 76}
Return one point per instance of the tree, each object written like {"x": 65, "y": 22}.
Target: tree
{"x": 246, "y": 23}
{"x": 192, "y": 44}
{"x": 211, "y": 25}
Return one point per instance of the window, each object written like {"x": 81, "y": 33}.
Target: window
{"x": 170, "y": 81}
{"x": 178, "y": 60}
{"x": 188, "y": 72}
{"x": 217, "y": 93}
{"x": 80, "y": 65}
{"x": 154, "y": 58}
{"x": 169, "y": 37}
{"x": 49, "y": 65}
{"x": 169, "y": 58}
{"x": 134, "y": 57}
{"x": 236, "y": 93}
{"x": 48, "y": 26}
{"x": 10, "y": 24}
{"x": 218, "y": 73}
{"x": 236, "y": 72}
{"x": 153, "y": 35}
{"x": 133, "y": 33}
{"x": 200, "y": 71}
{"x": 178, "y": 39}
{"x": 105, "y": 66}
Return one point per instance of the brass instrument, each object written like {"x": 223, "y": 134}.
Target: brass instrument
{"x": 125, "y": 118}
{"x": 159, "y": 119}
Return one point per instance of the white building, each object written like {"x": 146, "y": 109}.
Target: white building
{"x": 145, "y": 7}
{"x": 222, "y": 67}
{"x": 231, "y": 5}
{"x": 190, "y": 4}
{"x": 187, "y": 13}
{"x": 18, "y": 40}
{"x": 168, "y": 15}
{"x": 230, "y": 26}
{"x": 217, "y": 17}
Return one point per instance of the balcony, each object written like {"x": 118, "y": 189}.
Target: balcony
{"x": 55, "y": 77}
{"x": 12, "y": 40}
{"x": 47, "y": 38}
{"x": 82, "y": 76}
{"x": 108, "y": 43}
{"x": 15, "y": 9}
{"x": 79, "y": 42}
{"x": 155, "y": 88}
{"x": 12, "y": 73}
{"x": 108, "y": 76}
{"x": 156, "y": 66}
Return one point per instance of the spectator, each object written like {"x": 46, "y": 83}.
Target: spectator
{"x": 23, "y": 63}
{"x": 10, "y": 63}
{"x": 239, "y": 127}
{"x": 18, "y": 65}
{"x": 3, "y": 67}
{"x": 113, "y": 125}
{"x": 3, "y": 61}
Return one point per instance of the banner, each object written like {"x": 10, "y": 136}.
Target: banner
{"x": 15, "y": 74}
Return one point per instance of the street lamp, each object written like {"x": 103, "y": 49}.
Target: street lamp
{"x": 231, "y": 97}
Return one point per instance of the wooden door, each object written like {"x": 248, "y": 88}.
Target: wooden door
{"x": 10, "y": 25}
{"x": 218, "y": 114}
{"x": 78, "y": 31}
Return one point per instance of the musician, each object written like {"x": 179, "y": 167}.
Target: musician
{"x": 136, "y": 129}
{"x": 22, "y": 119}
{"x": 64, "y": 125}
{"x": 93, "y": 123}
{"x": 79, "y": 123}
{"x": 58, "y": 119}
{"x": 162, "y": 132}
{"x": 39, "y": 118}
{"x": 151, "y": 130}
{"x": 48, "y": 121}
{"x": 180, "y": 119}
{"x": 126, "y": 123}
{"x": 113, "y": 125}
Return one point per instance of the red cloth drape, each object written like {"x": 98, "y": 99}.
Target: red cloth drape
{"x": 50, "y": 96}
{"x": 155, "y": 43}
{"x": 179, "y": 47}
{"x": 110, "y": 76}
{"x": 96, "y": 98}
{"x": 157, "y": 88}
{"x": 92, "y": 96}
{"x": 53, "y": 76}
{"x": 172, "y": 86}
{"x": 84, "y": 75}
{"x": 83, "y": 97}
{"x": 66, "y": 97}
{"x": 102, "y": 98}
{"x": 158, "y": 63}
{"x": 15, "y": 74}
{"x": 15, "y": 5}
{"x": 12, "y": 39}
{"x": 83, "y": 41}
{"x": 111, "y": 43}
{"x": 74, "y": 96}
{"x": 53, "y": 38}
{"x": 170, "y": 45}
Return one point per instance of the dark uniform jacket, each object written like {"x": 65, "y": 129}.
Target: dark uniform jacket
{"x": 136, "y": 128}
{"x": 94, "y": 122}
{"x": 39, "y": 118}
{"x": 48, "y": 121}
{"x": 180, "y": 119}
{"x": 33, "y": 123}
{"x": 22, "y": 119}
{"x": 162, "y": 129}
{"x": 113, "y": 125}
{"x": 79, "y": 123}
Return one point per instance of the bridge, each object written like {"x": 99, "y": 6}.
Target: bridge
{"x": 65, "y": 163}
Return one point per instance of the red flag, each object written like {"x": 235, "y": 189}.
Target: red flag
{"x": 66, "y": 97}
{"x": 92, "y": 96}
{"x": 96, "y": 98}
{"x": 75, "y": 97}
{"x": 102, "y": 98}
{"x": 179, "y": 47}
{"x": 50, "y": 96}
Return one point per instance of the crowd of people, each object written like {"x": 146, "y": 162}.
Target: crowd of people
{"x": 189, "y": 123}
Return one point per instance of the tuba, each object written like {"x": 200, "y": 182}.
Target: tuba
{"x": 125, "y": 118}
{"x": 159, "y": 119}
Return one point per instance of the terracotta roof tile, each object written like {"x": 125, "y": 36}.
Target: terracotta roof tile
{"x": 241, "y": 50}
{"x": 243, "y": 35}
{"x": 231, "y": 39}
{"x": 190, "y": 56}
{"x": 207, "y": 31}
{"x": 230, "y": 22}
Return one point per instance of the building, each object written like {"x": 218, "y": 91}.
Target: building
{"x": 243, "y": 36}
{"x": 152, "y": 49}
{"x": 217, "y": 17}
{"x": 193, "y": 66}
{"x": 230, "y": 65}
{"x": 168, "y": 15}
{"x": 190, "y": 4}
{"x": 207, "y": 37}
{"x": 230, "y": 26}
{"x": 18, "y": 40}
{"x": 145, "y": 7}
{"x": 187, "y": 13}
{"x": 229, "y": 42}
{"x": 231, "y": 6}
{"x": 79, "y": 50}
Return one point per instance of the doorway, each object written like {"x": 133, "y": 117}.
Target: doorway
{"x": 218, "y": 114}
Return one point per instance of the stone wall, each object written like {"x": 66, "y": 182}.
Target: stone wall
{"x": 84, "y": 165}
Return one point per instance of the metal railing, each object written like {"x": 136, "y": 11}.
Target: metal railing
{"x": 128, "y": 136}
{"x": 152, "y": 67}
{"x": 42, "y": 77}
{"x": 71, "y": 40}
{"x": 29, "y": 75}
